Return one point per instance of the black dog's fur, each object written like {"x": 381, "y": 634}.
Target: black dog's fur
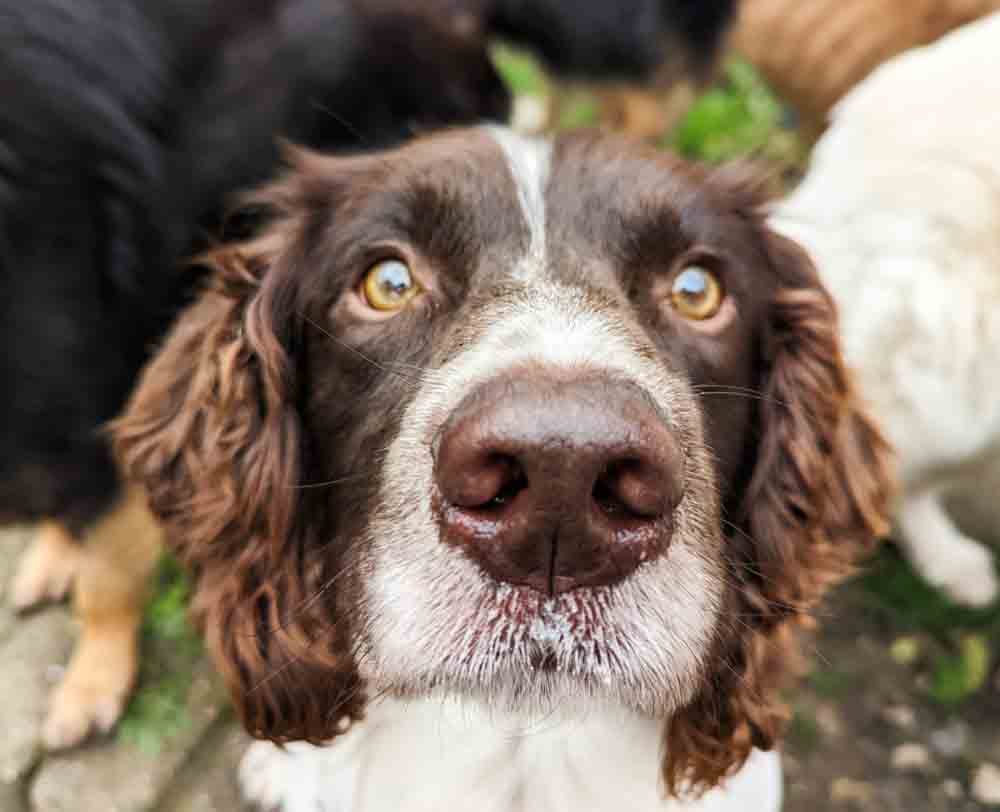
{"x": 627, "y": 38}
{"x": 123, "y": 133}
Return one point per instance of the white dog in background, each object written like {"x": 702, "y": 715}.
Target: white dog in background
{"x": 901, "y": 212}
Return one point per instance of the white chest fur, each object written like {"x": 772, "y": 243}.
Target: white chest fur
{"x": 440, "y": 755}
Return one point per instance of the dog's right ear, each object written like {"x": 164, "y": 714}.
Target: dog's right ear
{"x": 213, "y": 434}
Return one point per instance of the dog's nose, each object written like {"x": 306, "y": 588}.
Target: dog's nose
{"x": 557, "y": 485}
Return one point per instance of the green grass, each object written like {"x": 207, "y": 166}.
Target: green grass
{"x": 520, "y": 70}
{"x": 170, "y": 648}
{"x": 900, "y": 594}
{"x": 959, "y": 643}
{"x": 738, "y": 117}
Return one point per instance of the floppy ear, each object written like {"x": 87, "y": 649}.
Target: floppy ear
{"x": 213, "y": 433}
{"x": 822, "y": 485}
{"x": 819, "y": 495}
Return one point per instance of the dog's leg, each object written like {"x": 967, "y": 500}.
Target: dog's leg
{"x": 121, "y": 552}
{"x": 48, "y": 568}
{"x": 958, "y": 565}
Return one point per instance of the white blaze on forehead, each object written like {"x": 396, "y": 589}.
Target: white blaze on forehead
{"x": 529, "y": 161}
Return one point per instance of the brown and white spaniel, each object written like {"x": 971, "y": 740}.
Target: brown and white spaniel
{"x": 508, "y": 469}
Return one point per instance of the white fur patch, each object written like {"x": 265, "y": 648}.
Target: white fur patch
{"x": 529, "y": 161}
{"x": 429, "y": 756}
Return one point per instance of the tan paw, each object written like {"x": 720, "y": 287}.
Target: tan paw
{"x": 96, "y": 686}
{"x": 48, "y": 568}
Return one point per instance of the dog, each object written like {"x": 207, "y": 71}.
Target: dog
{"x": 900, "y": 211}
{"x": 106, "y": 183}
{"x": 507, "y": 469}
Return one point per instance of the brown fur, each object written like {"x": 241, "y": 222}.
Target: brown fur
{"x": 232, "y": 445}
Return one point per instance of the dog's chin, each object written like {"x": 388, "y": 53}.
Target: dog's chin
{"x": 531, "y": 654}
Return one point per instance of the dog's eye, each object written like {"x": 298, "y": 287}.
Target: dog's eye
{"x": 696, "y": 293}
{"x": 389, "y": 285}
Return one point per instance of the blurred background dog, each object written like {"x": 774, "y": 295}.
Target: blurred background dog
{"x": 122, "y": 137}
{"x": 814, "y": 53}
{"x": 901, "y": 211}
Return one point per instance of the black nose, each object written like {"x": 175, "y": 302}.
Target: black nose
{"x": 557, "y": 485}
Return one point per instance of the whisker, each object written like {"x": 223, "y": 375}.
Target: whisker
{"x": 392, "y": 368}
{"x": 711, "y": 390}
{"x": 329, "y": 482}
{"x": 318, "y": 105}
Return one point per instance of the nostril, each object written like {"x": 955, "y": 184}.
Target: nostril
{"x": 631, "y": 489}
{"x": 514, "y": 480}
{"x": 490, "y": 483}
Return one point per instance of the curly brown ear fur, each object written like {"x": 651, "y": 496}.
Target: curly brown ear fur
{"x": 819, "y": 494}
{"x": 213, "y": 433}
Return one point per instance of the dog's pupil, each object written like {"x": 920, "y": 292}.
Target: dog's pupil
{"x": 394, "y": 279}
{"x": 691, "y": 285}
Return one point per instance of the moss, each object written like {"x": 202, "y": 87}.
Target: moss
{"x": 171, "y": 649}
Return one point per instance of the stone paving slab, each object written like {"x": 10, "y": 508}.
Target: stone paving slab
{"x": 116, "y": 774}
{"x": 12, "y": 798}
{"x": 124, "y": 776}
{"x": 13, "y": 543}
{"x": 208, "y": 782}
{"x": 24, "y": 692}
{"x": 31, "y": 658}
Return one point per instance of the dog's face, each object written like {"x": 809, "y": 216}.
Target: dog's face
{"x": 541, "y": 516}
{"x": 537, "y": 423}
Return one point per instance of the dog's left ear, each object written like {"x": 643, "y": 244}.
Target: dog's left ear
{"x": 821, "y": 489}
{"x": 818, "y": 496}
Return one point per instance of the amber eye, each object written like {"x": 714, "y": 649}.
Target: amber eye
{"x": 696, "y": 293}
{"x": 389, "y": 285}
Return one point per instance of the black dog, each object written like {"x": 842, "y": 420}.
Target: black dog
{"x": 124, "y": 134}
{"x": 121, "y": 137}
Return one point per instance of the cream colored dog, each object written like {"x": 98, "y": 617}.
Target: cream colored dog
{"x": 901, "y": 211}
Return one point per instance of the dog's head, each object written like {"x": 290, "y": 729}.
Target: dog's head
{"x": 537, "y": 423}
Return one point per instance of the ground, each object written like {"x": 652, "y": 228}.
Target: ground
{"x": 898, "y": 713}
